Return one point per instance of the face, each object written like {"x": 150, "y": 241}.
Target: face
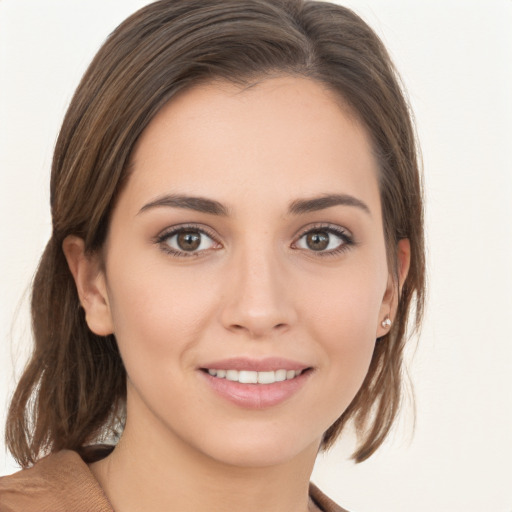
{"x": 245, "y": 273}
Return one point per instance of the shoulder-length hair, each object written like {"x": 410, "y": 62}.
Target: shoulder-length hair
{"x": 72, "y": 391}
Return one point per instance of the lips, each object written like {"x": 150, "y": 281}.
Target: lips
{"x": 256, "y": 384}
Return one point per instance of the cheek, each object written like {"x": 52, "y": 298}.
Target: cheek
{"x": 157, "y": 314}
{"x": 347, "y": 305}
{"x": 342, "y": 317}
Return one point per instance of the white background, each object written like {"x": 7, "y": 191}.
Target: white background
{"x": 455, "y": 57}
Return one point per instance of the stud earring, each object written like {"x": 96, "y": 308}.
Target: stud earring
{"x": 386, "y": 323}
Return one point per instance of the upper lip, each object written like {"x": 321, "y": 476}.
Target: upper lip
{"x": 257, "y": 365}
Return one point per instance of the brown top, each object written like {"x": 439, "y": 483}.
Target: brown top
{"x": 62, "y": 482}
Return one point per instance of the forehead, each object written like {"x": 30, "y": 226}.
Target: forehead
{"x": 282, "y": 138}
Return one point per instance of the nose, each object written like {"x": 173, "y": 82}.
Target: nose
{"x": 258, "y": 301}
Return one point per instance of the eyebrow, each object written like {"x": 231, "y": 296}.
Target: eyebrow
{"x": 301, "y": 206}
{"x": 297, "y": 207}
{"x": 199, "y": 204}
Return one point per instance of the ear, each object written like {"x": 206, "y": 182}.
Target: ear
{"x": 90, "y": 284}
{"x": 393, "y": 290}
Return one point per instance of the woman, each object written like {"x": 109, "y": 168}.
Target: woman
{"x": 237, "y": 242}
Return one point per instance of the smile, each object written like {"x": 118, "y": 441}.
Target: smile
{"x": 253, "y": 383}
{"x": 253, "y": 377}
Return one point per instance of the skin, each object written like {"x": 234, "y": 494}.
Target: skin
{"x": 254, "y": 289}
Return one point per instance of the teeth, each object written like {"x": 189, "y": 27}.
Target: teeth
{"x": 267, "y": 377}
{"x": 250, "y": 377}
{"x": 232, "y": 375}
{"x": 246, "y": 377}
{"x": 281, "y": 375}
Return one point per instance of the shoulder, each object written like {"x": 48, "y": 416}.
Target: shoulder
{"x": 324, "y": 503}
{"x": 59, "y": 482}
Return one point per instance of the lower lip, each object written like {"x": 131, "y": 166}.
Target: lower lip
{"x": 256, "y": 396}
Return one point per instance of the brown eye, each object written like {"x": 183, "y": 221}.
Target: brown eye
{"x": 186, "y": 241}
{"x": 328, "y": 240}
{"x": 317, "y": 240}
{"x": 189, "y": 240}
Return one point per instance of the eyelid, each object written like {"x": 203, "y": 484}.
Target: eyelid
{"x": 171, "y": 231}
{"x": 325, "y": 226}
{"x": 335, "y": 229}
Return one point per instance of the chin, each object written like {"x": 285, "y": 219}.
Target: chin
{"x": 261, "y": 450}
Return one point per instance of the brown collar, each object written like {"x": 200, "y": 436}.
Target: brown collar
{"x": 62, "y": 482}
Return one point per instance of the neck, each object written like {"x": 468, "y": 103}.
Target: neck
{"x": 162, "y": 473}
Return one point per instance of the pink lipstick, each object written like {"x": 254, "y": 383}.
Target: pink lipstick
{"x": 256, "y": 384}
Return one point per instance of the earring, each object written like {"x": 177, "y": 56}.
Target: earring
{"x": 386, "y": 323}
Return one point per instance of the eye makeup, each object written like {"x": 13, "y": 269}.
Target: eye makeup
{"x": 193, "y": 240}
{"x": 187, "y": 240}
{"x": 324, "y": 240}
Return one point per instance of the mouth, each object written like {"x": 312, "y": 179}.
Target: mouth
{"x": 254, "y": 377}
{"x": 253, "y": 383}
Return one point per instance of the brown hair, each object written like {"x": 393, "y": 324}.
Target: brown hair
{"x": 73, "y": 389}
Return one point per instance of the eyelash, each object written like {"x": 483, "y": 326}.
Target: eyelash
{"x": 163, "y": 237}
{"x": 342, "y": 233}
{"x": 339, "y": 232}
